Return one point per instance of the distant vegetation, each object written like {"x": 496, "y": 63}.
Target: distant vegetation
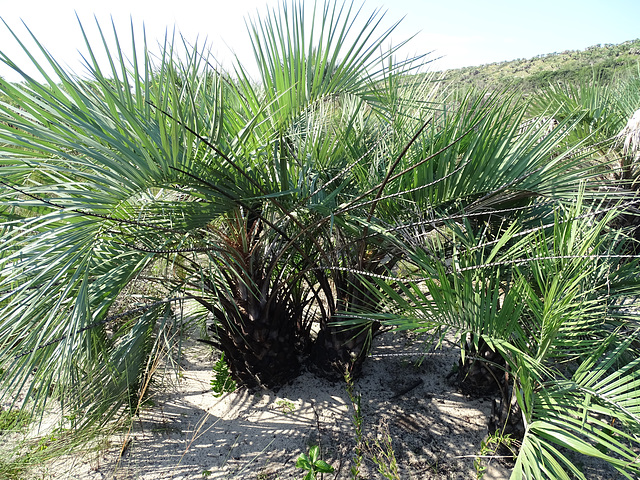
{"x": 601, "y": 62}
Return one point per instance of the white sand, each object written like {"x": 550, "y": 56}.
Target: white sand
{"x": 190, "y": 434}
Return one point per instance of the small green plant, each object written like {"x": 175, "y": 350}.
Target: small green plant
{"x": 286, "y": 406}
{"x": 311, "y": 464}
{"x": 206, "y": 473}
{"x": 222, "y": 382}
{"x": 357, "y": 425}
{"x": 382, "y": 454}
{"x": 489, "y": 448}
{"x": 45, "y": 442}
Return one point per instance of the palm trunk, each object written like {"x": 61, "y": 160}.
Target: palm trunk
{"x": 263, "y": 348}
{"x": 340, "y": 350}
{"x": 482, "y": 372}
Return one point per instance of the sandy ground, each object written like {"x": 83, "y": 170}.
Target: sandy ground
{"x": 189, "y": 434}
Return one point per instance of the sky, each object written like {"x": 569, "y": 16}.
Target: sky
{"x": 455, "y": 33}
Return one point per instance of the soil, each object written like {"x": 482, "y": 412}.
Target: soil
{"x": 187, "y": 433}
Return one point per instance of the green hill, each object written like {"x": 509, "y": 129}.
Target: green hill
{"x": 603, "y": 62}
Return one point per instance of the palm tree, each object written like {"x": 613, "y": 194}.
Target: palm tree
{"x": 555, "y": 301}
{"x": 517, "y": 250}
{"x": 315, "y": 117}
{"x": 166, "y": 178}
{"x": 602, "y": 111}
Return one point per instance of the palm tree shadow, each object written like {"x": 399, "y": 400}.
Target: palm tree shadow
{"x": 188, "y": 432}
{"x": 414, "y": 399}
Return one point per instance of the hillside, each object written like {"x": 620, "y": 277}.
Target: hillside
{"x": 604, "y": 62}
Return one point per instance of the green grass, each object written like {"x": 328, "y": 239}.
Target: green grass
{"x": 14, "y": 468}
{"x": 13, "y": 465}
{"x": 13, "y": 420}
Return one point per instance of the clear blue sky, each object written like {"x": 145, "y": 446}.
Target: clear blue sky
{"x": 464, "y": 32}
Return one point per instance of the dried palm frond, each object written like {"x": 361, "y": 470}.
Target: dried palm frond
{"x": 631, "y": 134}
